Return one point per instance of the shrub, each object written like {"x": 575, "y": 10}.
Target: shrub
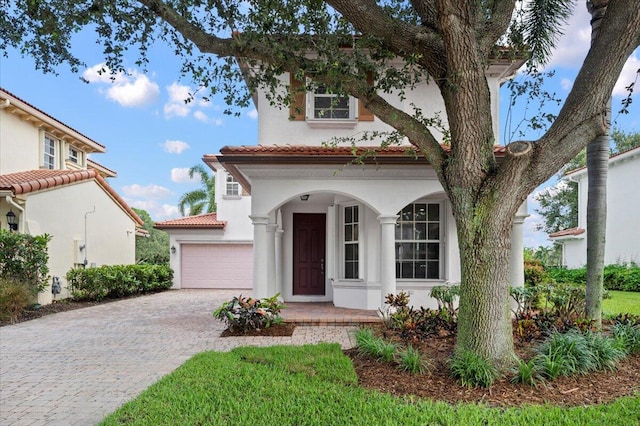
{"x": 376, "y": 347}
{"x": 628, "y": 337}
{"x": 410, "y": 360}
{"x": 23, "y": 259}
{"x": 115, "y": 281}
{"x": 245, "y": 313}
{"x": 525, "y": 298}
{"x": 567, "y": 300}
{"x": 14, "y": 298}
{"x": 420, "y": 323}
{"x": 607, "y": 352}
{"x": 565, "y": 354}
{"x": 446, "y": 297}
{"x": 624, "y": 277}
{"x": 526, "y": 373}
{"x": 625, "y": 319}
{"x": 534, "y": 273}
{"x": 472, "y": 370}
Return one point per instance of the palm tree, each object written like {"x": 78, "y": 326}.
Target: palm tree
{"x": 597, "y": 166}
{"x": 202, "y": 200}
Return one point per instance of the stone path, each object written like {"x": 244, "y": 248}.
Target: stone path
{"x": 75, "y": 367}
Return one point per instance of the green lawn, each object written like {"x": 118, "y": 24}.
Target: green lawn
{"x": 316, "y": 385}
{"x": 622, "y": 302}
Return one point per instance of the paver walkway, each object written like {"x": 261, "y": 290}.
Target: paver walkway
{"x": 75, "y": 367}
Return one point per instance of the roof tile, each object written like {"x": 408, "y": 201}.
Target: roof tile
{"x": 207, "y": 220}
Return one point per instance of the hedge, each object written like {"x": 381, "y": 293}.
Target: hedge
{"x": 117, "y": 281}
{"x": 625, "y": 277}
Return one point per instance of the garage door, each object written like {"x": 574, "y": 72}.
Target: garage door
{"x": 217, "y": 266}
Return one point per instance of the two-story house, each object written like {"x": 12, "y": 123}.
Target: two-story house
{"x": 48, "y": 185}
{"x": 301, "y": 219}
{"x": 622, "y": 239}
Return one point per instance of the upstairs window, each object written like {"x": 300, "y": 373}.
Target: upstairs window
{"x": 351, "y": 231}
{"x": 49, "y": 160}
{"x": 73, "y": 155}
{"x": 233, "y": 187}
{"x": 419, "y": 242}
{"x": 324, "y": 105}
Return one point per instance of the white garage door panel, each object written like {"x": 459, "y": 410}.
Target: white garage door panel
{"x": 217, "y": 266}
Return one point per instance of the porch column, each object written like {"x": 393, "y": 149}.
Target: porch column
{"x": 278, "y": 268}
{"x": 516, "y": 263}
{"x": 260, "y": 256}
{"x": 387, "y": 256}
{"x": 271, "y": 259}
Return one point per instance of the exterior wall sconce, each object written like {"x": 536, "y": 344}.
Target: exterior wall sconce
{"x": 173, "y": 249}
{"x": 304, "y": 197}
{"x": 11, "y": 220}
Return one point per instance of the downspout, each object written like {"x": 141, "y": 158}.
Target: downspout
{"x": 85, "y": 235}
{"x": 9, "y": 200}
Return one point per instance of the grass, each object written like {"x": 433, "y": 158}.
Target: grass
{"x": 316, "y": 385}
{"x": 622, "y": 302}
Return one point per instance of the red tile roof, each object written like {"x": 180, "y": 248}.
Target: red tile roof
{"x": 38, "y": 180}
{"x": 570, "y": 232}
{"x": 203, "y": 221}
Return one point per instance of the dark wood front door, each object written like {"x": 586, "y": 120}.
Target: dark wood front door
{"x": 309, "y": 230}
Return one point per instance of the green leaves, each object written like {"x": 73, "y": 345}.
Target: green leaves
{"x": 24, "y": 258}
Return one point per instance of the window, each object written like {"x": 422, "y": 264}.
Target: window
{"x": 418, "y": 242}
{"x": 73, "y": 155}
{"x": 49, "y": 160}
{"x": 233, "y": 187}
{"x": 351, "y": 242}
{"x": 327, "y": 106}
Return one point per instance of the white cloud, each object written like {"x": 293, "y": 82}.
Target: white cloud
{"x": 157, "y": 211}
{"x": 181, "y": 175}
{"x": 627, "y": 76}
{"x": 175, "y": 147}
{"x": 201, "y": 116}
{"x": 149, "y": 191}
{"x": 218, "y": 121}
{"x": 129, "y": 90}
{"x": 253, "y": 114}
{"x": 572, "y": 47}
{"x": 177, "y": 105}
{"x": 566, "y": 84}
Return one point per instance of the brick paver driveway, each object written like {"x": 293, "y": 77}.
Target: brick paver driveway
{"x": 75, "y": 367}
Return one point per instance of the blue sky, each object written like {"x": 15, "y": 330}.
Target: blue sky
{"x": 153, "y": 137}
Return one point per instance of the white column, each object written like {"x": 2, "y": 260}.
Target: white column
{"x": 387, "y": 256}
{"x": 279, "y": 275}
{"x": 271, "y": 259}
{"x": 260, "y": 256}
{"x": 516, "y": 262}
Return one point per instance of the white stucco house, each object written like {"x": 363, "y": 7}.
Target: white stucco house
{"x": 623, "y": 214}
{"x": 49, "y": 185}
{"x": 300, "y": 219}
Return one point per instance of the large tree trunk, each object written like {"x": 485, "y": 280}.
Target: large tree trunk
{"x": 484, "y": 235}
{"x": 597, "y": 164}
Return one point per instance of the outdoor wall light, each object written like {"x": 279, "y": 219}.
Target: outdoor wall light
{"x": 173, "y": 249}
{"x": 304, "y": 197}
{"x": 11, "y": 220}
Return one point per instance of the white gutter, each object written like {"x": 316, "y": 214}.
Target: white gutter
{"x": 21, "y": 209}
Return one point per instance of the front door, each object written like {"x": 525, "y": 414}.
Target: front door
{"x": 309, "y": 230}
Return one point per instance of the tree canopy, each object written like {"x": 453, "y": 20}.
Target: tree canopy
{"x": 153, "y": 249}
{"x": 201, "y": 200}
{"x": 341, "y": 44}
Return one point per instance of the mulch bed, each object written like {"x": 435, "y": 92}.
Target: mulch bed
{"x": 588, "y": 389}
{"x": 277, "y": 330}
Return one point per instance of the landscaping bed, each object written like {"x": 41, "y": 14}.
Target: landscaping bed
{"x": 438, "y": 385}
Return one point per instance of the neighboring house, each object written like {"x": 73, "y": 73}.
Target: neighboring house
{"x": 623, "y": 214}
{"x": 321, "y": 227}
{"x": 50, "y": 186}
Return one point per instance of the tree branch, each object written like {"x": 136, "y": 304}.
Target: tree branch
{"x": 496, "y": 25}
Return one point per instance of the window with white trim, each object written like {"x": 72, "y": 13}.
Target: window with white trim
{"x": 324, "y": 105}
{"x": 351, "y": 232}
{"x": 49, "y": 159}
{"x": 233, "y": 187}
{"x": 74, "y": 156}
{"x": 419, "y": 241}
